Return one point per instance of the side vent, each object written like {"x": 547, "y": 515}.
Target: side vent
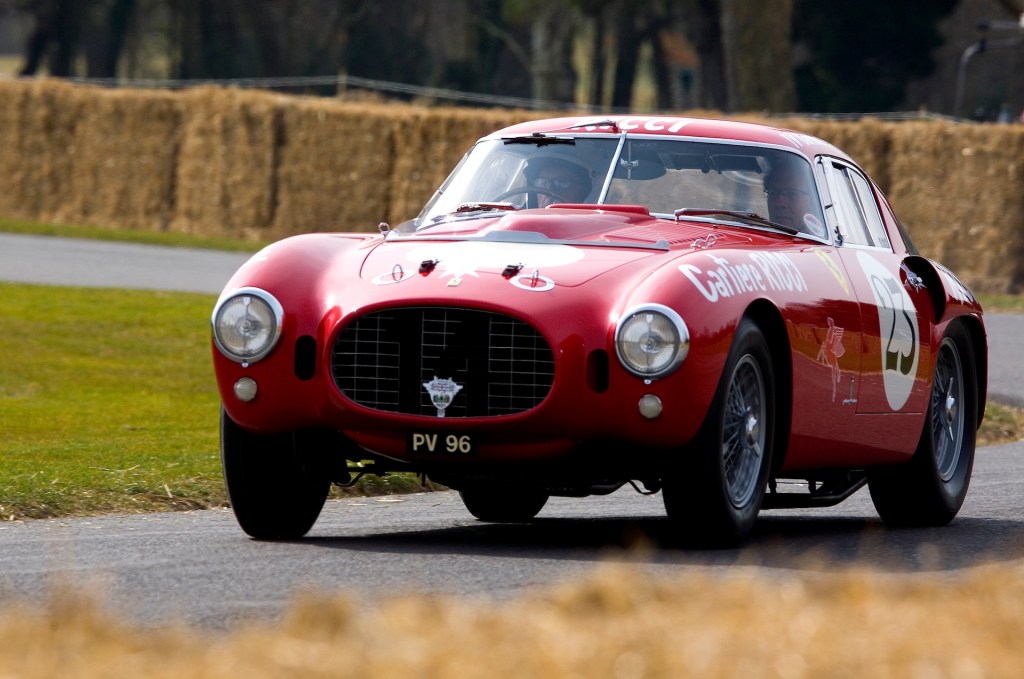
{"x": 597, "y": 371}
{"x": 305, "y": 357}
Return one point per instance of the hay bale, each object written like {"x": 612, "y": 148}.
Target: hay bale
{"x": 14, "y": 96}
{"x": 125, "y": 155}
{"x": 225, "y": 179}
{"x": 39, "y": 123}
{"x": 430, "y": 142}
{"x": 957, "y": 188}
{"x": 335, "y": 166}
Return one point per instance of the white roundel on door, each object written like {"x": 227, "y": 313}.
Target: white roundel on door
{"x": 897, "y": 324}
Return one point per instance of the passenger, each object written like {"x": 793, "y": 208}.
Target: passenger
{"x": 557, "y": 181}
{"x": 791, "y": 201}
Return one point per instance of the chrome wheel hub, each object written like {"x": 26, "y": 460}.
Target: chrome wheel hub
{"x": 950, "y": 409}
{"x": 753, "y": 429}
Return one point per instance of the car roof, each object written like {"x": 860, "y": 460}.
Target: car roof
{"x": 669, "y": 126}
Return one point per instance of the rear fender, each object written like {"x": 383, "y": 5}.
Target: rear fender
{"x": 952, "y": 300}
{"x": 949, "y": 296}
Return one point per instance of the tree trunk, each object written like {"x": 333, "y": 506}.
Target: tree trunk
{"x": 104, "y": 51}
{"x": 598, "y": 62}
{"x": 628, "y": 55}
{"x": 705, "y": 31}
{"x": 662, "y": 74}
{"x": 551, "y": 54}
{"x": 54, "y": 39}
{"x": 758, "y": 59}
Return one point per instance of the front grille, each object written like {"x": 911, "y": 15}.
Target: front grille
{"x": 383, "y": 359}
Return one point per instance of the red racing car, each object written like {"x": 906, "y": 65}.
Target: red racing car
{"x": 728, "y": 313}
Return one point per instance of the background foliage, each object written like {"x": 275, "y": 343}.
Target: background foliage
{"x": 726, "y": 55}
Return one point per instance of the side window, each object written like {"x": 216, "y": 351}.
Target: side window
{"x": 870, "y": 209}
{"x": 856, "y": 213}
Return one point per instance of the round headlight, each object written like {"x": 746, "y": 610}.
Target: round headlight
{"x": 247, "y": 324}
{"x": 652, "y": 341}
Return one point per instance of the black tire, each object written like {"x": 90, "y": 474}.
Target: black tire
{"x": 714, "y": 492}
{"x": 275, "y": 488}
{"x": 930, "y": 489}
{"x": 500, "y": 504}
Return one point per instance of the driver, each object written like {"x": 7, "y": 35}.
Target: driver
{"x": 557, "y": 180}
{"x": 788, "y": 190}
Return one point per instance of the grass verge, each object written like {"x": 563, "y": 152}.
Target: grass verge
{"x": 108, "y": 403}
{"x": 1002, "y": 303}
{"x": 27, "y": 228}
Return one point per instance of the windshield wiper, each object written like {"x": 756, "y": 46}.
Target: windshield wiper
{"x": 751, "y": 217}
{"x": 483, "y": 207}
{"x": 540, "y": 139}
{"x": 467, "y": 208}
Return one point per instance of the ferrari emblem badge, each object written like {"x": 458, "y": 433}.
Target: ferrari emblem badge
{"x": 441, "y": 391}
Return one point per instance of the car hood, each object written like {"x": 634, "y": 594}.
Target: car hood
{"x": 565, "y": 245}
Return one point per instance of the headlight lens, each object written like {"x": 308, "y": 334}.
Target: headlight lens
{"x": 247, "y": 324}
{"x": 652, "y": 341}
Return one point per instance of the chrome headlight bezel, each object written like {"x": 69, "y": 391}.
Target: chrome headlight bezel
{"x": 673, "y": 349}
{"x": 271, "y": 316}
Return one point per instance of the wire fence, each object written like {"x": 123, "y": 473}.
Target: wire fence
{"x": 343, "y": 83}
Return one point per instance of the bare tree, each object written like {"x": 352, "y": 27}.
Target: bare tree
{"x": 107, "y": 32}
{"x": 702, "y": 23}
{"x": 758, "y": 60}
{"x": 53, "y": 41}
{"x": 551, "y": 42}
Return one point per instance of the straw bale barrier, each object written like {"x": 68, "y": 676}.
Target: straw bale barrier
{"x": 613, "y": 622}
{"x": 260, "y": 165}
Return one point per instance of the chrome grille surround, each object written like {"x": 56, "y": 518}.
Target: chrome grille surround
{"x": 382, "y": 359}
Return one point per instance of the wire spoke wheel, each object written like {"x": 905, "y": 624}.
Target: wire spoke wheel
{"x": 715, "y": 489}
{"x": 930, "y": 489}
{"x": 743, "y": 435}
{"x": 947, "y": 415}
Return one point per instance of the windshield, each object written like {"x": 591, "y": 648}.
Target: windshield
{"x": 663, "y": 175}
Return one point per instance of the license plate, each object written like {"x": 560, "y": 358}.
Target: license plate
{"x": 440, "y": 443}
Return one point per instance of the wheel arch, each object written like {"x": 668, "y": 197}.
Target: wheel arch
{"x": 769, "y": 319}
{"x": 950, "y": 298}
{"x": 979, "y": 350}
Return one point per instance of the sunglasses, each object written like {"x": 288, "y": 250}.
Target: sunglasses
{"x": 789, "y": 194}
{"x": 554, "y": 184}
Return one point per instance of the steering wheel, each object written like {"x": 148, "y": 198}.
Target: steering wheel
{"x": 527, "y": 190}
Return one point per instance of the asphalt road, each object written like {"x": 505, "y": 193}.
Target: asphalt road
{"x": 198, "y": 567}
{"x": 89, "y": 263}
{"x": 1006, "y": 362}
